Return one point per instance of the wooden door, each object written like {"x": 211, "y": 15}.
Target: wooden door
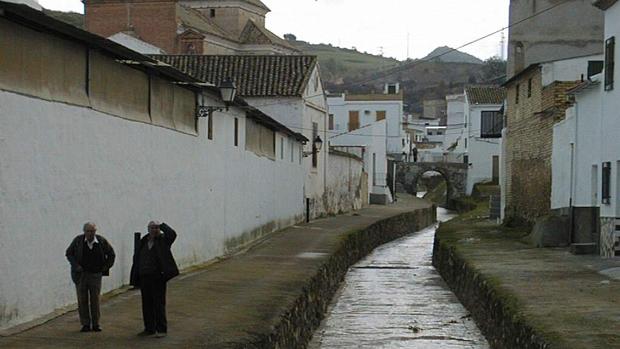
{"x": 354, "y": 120}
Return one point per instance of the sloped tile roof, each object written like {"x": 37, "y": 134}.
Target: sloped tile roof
{"x": 258, "y": 3}
{"x": 254, "y": 76}
{"x": 255, "y": 34}
{"x": 191, "y": 18}
{"x": 485, "y": 95}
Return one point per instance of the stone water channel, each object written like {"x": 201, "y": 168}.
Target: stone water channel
{"x": 394, "y": 298}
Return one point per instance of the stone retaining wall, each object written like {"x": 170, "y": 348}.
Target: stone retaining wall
{"x": 492, "y": 310}
{"x": 298, "y": 325}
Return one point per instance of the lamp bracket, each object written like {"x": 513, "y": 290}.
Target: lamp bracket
{"x": 206, "y": 111}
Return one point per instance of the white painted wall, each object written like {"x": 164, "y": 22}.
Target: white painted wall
{"x": 62, "y": 165}
{"x": 369, "y": 137}
{"x": 480, "y": 150}
{"x": 344, "y": 182}
{"x": 610, "y": 120}
{"x": 455, "y": 124}
{"x": 567, "y": 70}
{"x": 298, "y": 114}
{"x": 562, "y": 160}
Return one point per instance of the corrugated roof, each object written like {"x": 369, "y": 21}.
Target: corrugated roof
{"x": 254, "y": 76}
{"x": 485, "y": 95}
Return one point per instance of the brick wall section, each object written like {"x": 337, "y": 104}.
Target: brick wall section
{"x": 153, "y": 21}
{"x": 529, "y": 142}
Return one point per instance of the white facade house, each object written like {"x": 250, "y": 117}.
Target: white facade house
{"x": 454, "y": 140}
{"x": 120, "y": 147}
{"x": 349, "y": 112}
{"x": 289, "y": 89}
{"x": 483, "y": 130}
{"x": 586, "y": 151}
{"x": 374, "y": 155}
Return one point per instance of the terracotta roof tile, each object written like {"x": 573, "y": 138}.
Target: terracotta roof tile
{"x": 254, "y": 76}
{"x": 485, "y": 95}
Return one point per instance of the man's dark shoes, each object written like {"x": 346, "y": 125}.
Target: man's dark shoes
{"x": 85, "y": 329}
{"x": 146, "y": 334}
{"x": 97, "y": 328}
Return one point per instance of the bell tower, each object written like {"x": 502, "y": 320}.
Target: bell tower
{"x": 231, "y": 15}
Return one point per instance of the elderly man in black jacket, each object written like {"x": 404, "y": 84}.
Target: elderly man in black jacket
{"x": 153, "y": 267}
{"x": 91, "y": 256}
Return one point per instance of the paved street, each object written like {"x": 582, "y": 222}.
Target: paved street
{"x": 224, "y": 303}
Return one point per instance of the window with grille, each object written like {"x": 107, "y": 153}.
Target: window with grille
{"x": 315, "y": 155}
{"x": 491, "y": 124}
{"x": 606, "y": 189}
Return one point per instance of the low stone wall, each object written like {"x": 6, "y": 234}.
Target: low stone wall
{"x": 492, "y": 310}
{"x": 298, "y": 325}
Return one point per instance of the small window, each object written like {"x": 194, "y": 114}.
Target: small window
{"x": 236, "y": 132}
{"x": 212, "y": 13}
{"x": 517, "y": 94}
{"x": 315, "y": 155}
{"x": 491, "y": 124}
{"x": 292, "y": 149}
{"x": 391, "y": 89}
{"x": 466, "y": 158}
{"x": 331, "y": 121}
{"x": 610, "y": 48}
{"x": 606, "y": 189}
{"x": 381, "y": 115}
{"x": 529, "y": 88}
{"x": 282, "y": 148}
{"x": 210, "y": 126}
{"x": 440, "y": 133}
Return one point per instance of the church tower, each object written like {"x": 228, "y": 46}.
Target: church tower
{"x": 231, "y": 15}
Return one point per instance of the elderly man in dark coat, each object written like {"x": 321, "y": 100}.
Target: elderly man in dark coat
{"x": 153, "y": 267}
{"x": 91, "y": 256}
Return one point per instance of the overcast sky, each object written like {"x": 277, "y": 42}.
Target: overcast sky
{"x": 372, "y": 26}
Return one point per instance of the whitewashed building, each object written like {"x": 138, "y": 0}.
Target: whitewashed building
{"x": 349, "y": 112}
{"x": 586, "y": 150}
{"x": 483, "y": 133}
{"x": 119, "y": 143}
{"x": 289, "y": 89}
{"x": 369, "y": 139}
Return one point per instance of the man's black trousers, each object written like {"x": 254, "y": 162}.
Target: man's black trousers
{"x": 153, "y": 288}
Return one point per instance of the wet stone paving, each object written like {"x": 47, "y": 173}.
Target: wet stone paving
{"x": 394, "y": 298}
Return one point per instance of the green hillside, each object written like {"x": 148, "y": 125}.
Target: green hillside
{"x": 340, "y": 63}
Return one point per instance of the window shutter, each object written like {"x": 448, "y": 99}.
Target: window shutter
{"x": 606, "y": 190}
{"x": 610, "y": 50}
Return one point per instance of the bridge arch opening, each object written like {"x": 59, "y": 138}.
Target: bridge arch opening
{"x": 435, "y": 186}
{"x": 408, "y": 175}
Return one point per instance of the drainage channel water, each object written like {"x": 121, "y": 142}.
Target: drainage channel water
{"x": 394, "y": 298}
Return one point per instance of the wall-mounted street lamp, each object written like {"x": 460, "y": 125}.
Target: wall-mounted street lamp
{"x": 317, "y": 144}
{"x": 228, "y": 91}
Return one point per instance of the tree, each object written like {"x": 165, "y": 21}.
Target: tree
{"x": 494, "y": 70}
{"x": 290, "y": 37}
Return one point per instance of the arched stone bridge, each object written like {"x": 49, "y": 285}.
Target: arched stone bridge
{"x": 455, "y": 174}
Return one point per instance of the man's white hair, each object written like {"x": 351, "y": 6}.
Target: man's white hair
{"x": 89, "y": 225}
